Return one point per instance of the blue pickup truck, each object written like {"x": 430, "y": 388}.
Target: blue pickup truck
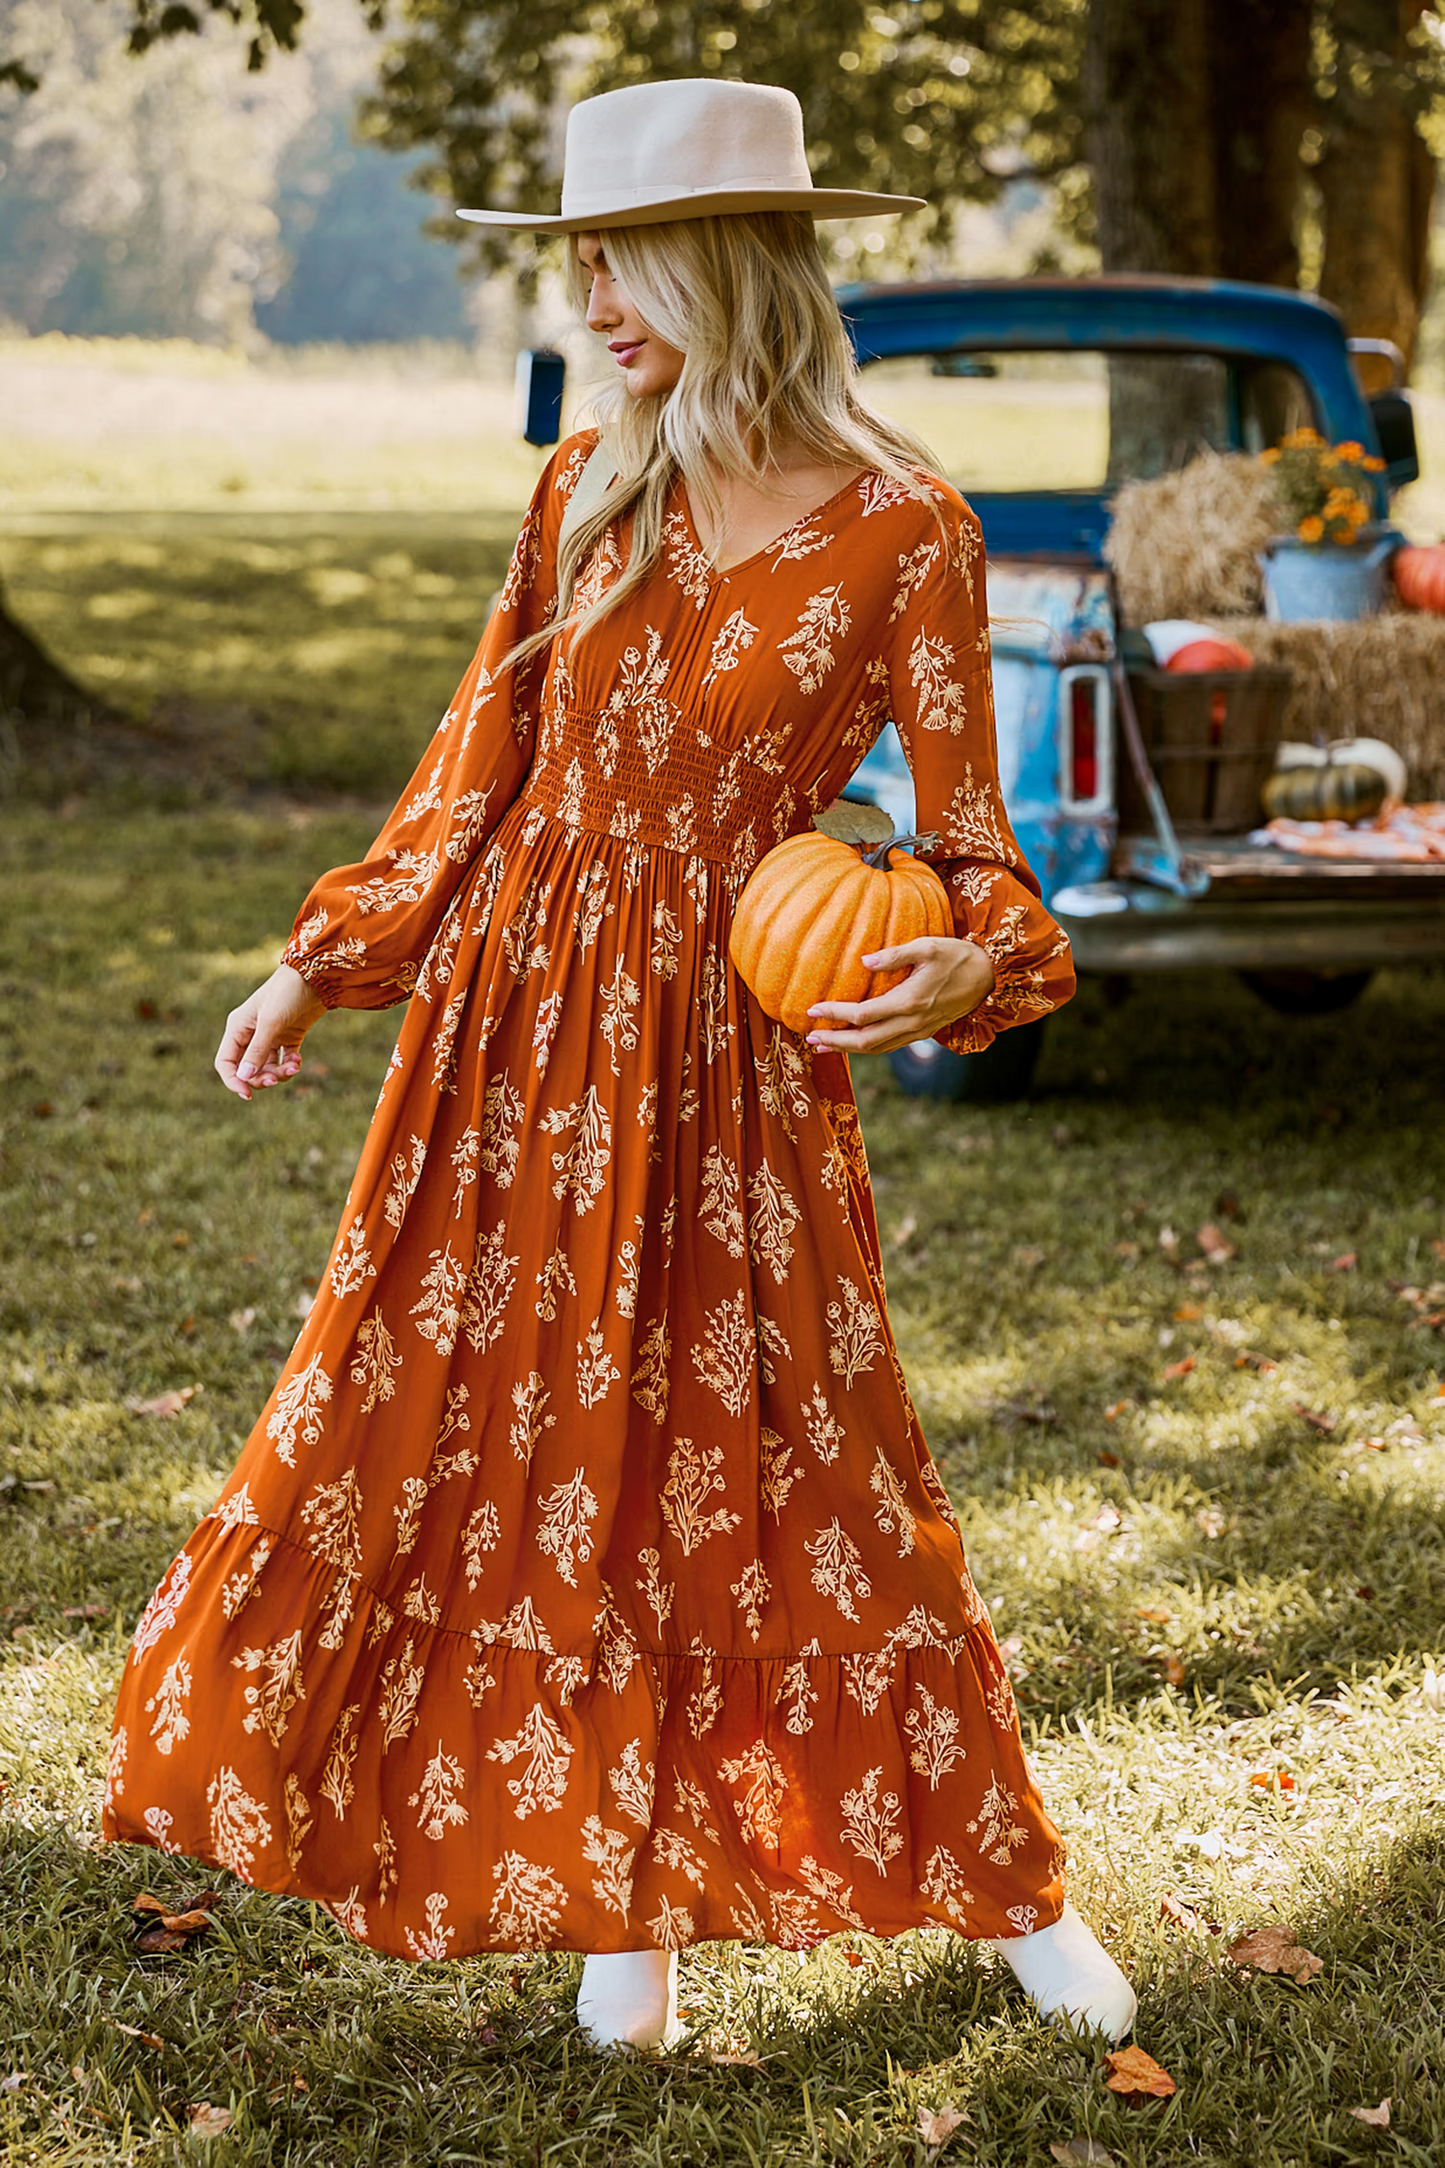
{"x": 1039, "y": 398}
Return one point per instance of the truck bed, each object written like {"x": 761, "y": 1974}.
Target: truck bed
{"x": 1240, "y": 869}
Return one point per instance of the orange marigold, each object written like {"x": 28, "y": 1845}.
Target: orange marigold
{"x": 1312, "y": 529}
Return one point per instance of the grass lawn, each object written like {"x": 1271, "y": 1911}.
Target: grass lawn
{"x": 1204, "y": 1499}
{"x": 1221, "y": 1608}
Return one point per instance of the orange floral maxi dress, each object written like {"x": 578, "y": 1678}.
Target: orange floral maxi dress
{"x": 586, "y": 1581}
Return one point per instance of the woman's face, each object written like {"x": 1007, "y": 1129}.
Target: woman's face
{"x": 649, "y": 365}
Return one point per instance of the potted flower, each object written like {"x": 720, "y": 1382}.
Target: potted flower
{"x": 1329, "y": 557}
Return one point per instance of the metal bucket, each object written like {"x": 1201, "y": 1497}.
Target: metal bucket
{"x": 1304, "y": 580}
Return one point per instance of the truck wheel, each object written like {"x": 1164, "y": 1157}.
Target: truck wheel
{"x": 1307, "y": 993}
{"x": 1002, "y": 1072}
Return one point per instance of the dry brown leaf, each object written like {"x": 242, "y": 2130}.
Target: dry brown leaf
{"x": 1174, "y": 1670}
{"x": 159, "y": 1942}
{"x": 1324, "y": 1424}
{"x": 1158, "y": 1614}
{"x": 937, "y": 2125}
{"x": 1174, "y": 1911}
{"x": 1135, "y": 2075}
{"x": 165, "y": 1405}
{"x": 1274, "y": 1949}
{"x": 746, "y": 2058}
{"x": 1178, "y": 1370}
{"x": 1345, "y": 1263}
{"x": 1083, "y": 2150}
{"x": 134, "y": 2032}
{"x": 209, "y": 2122}
{"x": 1217, "y": 1247}
{"x": 1377, "y": 2118}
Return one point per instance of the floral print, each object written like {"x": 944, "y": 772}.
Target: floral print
{"x": 586, "y": 1582}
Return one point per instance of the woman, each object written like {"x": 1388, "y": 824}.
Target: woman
{"x": 586, "y": 1582}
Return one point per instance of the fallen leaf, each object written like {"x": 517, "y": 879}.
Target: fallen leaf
{"x": 1158, "y": 1614}
{"x": 1274, "y": 1949}
{"x": 1174, "y": 1670}
{"x": 242, "y": 1320}
{"x": 1168, "y": 1241}
{"x": 180, "y": 1240}
{"x": 1082, "y": 2150}
{"x": 1217, "y": 1248}
{"x": 12, "y": 2083}
{"x": 1265, "y": 1780}
{"x": 1133, "y": 2074}
{"x": 1324, "y": 1424}
{"x": 937, "y": 2125}
{"x": 1346, "y": 1262}
{"x": 1106, "y": 1520}
{"x": 1187, "y": 1313}
{"x": 1108, "y": 1459}
{"x": 745, "y": 2058}
{"x": 1175, "y": 1912}
{"x": 1030, "y": 1258}
{"x": 209, "y": 2122}
{"x": 1228, "y": 1206}
{"x": 159, "y": 1942}
{"x": 1211, "y": 1521}
{"x": 134, "y": 2032}
{"x": 1377, "y": 2118}
{"x": 1178, "y": 1370}
{"x": 165, "y": 1405}
{"x": 86, "y": 1610}
{"x": 853, "y": 1957}
{"x": 1247, "y": 1359}
{"x": 1129, "y": 1251}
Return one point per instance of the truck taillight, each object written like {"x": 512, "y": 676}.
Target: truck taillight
{"x": 1083, "y": 739}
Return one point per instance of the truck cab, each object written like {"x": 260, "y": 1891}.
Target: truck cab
{"x": 1039, "y": 398}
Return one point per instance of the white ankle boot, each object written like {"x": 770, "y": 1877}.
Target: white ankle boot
{"x": 630, "y": 1999}
{"x": 1067, "y": 1974}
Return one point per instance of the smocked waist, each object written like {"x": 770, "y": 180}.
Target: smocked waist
{"x": 651, "y": 778}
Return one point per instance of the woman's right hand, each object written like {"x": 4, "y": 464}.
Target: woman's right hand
{"x": 261, "y": 1044}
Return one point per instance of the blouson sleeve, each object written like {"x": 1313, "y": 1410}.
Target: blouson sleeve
{"x": 941, "y": 690}
{"x": 363, "y": 933}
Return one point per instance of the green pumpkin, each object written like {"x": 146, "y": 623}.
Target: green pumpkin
{"x": 1343, "y": 790}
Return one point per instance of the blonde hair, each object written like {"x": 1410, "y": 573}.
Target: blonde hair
{"x": 768, "y": 365}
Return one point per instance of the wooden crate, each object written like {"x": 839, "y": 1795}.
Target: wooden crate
{"x": 1211, "y": 737}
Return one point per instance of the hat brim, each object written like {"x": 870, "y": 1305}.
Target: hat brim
{"x": 716, "y": 203}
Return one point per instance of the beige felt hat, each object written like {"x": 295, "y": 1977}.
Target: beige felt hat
{"x": 696, "y": 148}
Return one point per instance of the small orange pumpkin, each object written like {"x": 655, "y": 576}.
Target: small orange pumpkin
{"x": 814, "y": 906}
{"x": 1419, "y": 576}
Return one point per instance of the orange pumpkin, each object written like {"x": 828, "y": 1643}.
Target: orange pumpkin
{"x": 814, "y": 906}
{"x": 1210, "y": 655}
{"x": 1419, "y": 576}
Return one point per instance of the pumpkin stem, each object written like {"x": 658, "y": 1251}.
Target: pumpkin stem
{"x": 920, "y": 845}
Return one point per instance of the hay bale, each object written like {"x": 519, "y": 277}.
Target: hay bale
{"x": 1373, "y": 677}
{"x": 1187, "y": 545}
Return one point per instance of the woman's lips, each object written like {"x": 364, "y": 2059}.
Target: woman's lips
{"x": 627, "y": 354}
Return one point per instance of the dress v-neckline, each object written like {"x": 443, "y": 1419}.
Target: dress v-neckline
{"x": 725, "y": 572}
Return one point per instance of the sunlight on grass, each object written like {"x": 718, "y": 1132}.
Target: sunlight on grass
{"x": 1219, "y": 1588}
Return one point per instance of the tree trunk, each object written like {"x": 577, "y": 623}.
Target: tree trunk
{"x": 34, "y": 689}
{"x": 1376, "y": 180}
{"x": 1148, "y": 135}
{"x": 1260, "y": 55}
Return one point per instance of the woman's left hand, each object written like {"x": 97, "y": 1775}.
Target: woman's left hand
{"x": 947, "y": 979}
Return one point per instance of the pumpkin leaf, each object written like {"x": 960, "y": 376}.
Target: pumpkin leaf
{"x": 849, "y": 820}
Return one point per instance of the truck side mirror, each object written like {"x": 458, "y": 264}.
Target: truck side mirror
{"x": 1395, "y": 427}
{"x": 541, "y": 374}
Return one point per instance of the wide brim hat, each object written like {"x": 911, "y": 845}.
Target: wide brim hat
{"x": 694, "y": 148}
